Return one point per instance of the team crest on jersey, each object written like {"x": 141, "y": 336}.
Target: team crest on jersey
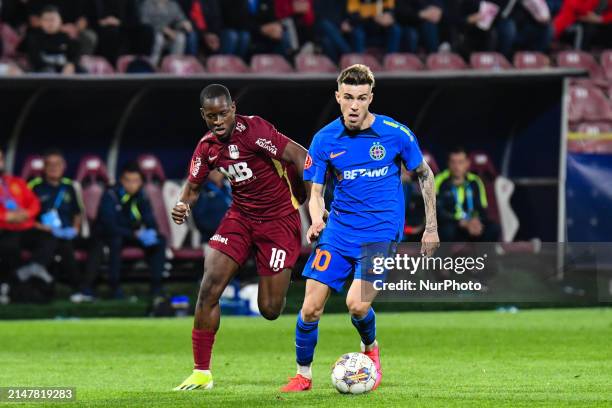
{"x": 233, "y": 152}
{"x": 240, "y": 127}
{"x": 377, "y": 151}
{"x": 308, "y": 162}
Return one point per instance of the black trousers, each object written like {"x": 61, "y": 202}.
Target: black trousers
{"x": 40, "y": 243}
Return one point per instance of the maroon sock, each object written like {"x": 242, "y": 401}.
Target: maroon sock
{"x": 202, "y": 341}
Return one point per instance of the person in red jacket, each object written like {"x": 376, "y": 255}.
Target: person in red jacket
{"x": 18, "y": 210}
{"x": 595, "y": 14}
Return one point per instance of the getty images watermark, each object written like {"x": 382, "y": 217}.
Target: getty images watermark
{"x": 410, "y": 265}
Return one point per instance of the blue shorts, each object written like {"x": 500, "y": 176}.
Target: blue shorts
{"x": 332, "y": 265}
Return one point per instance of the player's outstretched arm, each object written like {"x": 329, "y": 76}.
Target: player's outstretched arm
{"x": 430, "y": 240}
{"x": 189, "y": 195}
{"x": 316, "y": 207}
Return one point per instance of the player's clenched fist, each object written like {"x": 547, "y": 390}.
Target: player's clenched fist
{"x": 314, "y": 231}
{"x": 180, "y": 212}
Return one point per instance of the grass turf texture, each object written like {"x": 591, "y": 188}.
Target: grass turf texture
{"x": 534, "y": 358}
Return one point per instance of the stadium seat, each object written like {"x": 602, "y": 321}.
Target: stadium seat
{"x": 270, "y": 64}
{"x": 400, "y": 62}
{"x": 429, "y": 159}
{"x": 580, "y": 59}
{"x": 96, "y": 65}
{"x": 445, "y": 61}
{"x": 531, "y": 60}
{"x": 181, "y": 65}
{"x": 124, "y": 61}
{"x": 32, "y": 167}
{"x": 491, "y": 61}
{"x": 587, "y": 140}
{"x": 92, "y": 177}
{"x": 154, "y": 178}
{"x": 588, "y": 103}
{"x": 226, "y": 64}
{"x": 366, "y": 59}
{"x": 482, "y": 165}
{"x": 10, "y": 40}
{"x": 314, "y": 64}
{"x": 606, "y": 63}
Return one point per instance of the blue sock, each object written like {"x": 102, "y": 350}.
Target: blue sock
{"x": 366, "y": 326}
{"x": 306, "y": 336}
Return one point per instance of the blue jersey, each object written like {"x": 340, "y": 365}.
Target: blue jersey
{"x": 368, "y": 203}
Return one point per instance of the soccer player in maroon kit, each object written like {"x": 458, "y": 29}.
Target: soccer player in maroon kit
{"x": 263, "y": 218}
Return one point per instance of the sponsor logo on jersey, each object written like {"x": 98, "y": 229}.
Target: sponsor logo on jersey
{"x": 377, "y": 151}
{"x": 334, "y": 155}
{"x": 373, "y": 173}
{"x": 233, "y": 152}
{"x": 267, "y": 144}
{"x": 195, "y": 166}
{"x": 240, "y": 127}
{"x": 308, "y": 162}
{"x": 237, "y": 172}
{"x": 219, "y": 238}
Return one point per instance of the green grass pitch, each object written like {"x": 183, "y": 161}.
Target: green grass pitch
{"x": 549, "y": 358}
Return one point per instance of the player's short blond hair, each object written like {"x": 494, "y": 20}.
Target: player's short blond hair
{"x": 357, "y": 74}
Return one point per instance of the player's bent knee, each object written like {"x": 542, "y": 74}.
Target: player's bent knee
{"x": 357, "y": 308}
{"x": 311, "y": 313}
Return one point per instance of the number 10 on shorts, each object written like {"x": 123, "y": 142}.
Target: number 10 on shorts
{"x": 277, "y": 260}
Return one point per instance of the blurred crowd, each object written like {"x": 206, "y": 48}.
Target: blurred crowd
{"x": 50, "y": 35}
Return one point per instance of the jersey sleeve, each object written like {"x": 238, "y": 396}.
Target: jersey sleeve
{"x": 198, "y": 169}
{"x": 409, "y": 148}
{"x": 268, "y": 140}
{"x": 316, "y": 163}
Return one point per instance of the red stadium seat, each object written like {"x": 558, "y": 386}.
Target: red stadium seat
{"x": 445, "y": 61}
{"x": 314, "y": 64}
{"x": 482, "y": 165}
{"x": 32, "y": 167}
{"x": 491, "y": 61}
{"x": 226, "y": 64}
{"x": 606, "y": 63}
{"x": 594, "y": 128}
{"x": 429, "y": 159}
{"x": 531, "y": 60}
{"x": 366, "y": 59}
{"x": 93, "y": 178}
{"x": 96, "y": 65}
{"x": 154, "y": 178}
{"x": 10, "y": 40}
{"x": 399, "y": 62}
{"x": 588, "y": 103}
{"x": 123, "y": 62}
{"x": 587, "y": 141}
{"x": 580, "y": 59}
{"x": 270, "y": 64}
{"x": 181, "y": 65}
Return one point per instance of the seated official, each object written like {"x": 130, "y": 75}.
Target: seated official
{"x": 18, "y": 210}
{"x": 60, "y": 216}
{"x": 125, "y": 218}
{"x": 215, "y": 198}
{"x": 462, "y": 203}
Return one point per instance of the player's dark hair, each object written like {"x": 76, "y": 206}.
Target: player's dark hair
{"x": 53, "y": 151}
{"x": 132, "y": 167}
{"x": 214, "y": 91}
{"x": 457, "y": 150}
{"x": 49, "y": 9}
{"x": 357, "y": 74}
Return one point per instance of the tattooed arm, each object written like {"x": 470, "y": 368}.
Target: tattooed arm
{"x": 430, "y": 240}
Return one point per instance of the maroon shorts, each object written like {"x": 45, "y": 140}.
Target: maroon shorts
{"x": 276, "y": 244}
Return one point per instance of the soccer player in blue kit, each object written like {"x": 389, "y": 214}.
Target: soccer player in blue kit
{"x": 364, "y": 152}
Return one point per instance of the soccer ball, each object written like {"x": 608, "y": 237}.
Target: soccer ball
{"x": 354, "y": 373}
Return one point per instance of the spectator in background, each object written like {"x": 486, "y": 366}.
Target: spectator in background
{"x": 60, "y": 216}
{"x": 215, "y": 198}
{"x": 268, "y": 33}
{"x": 18, "y": 210}
{"x": 595, "y": 16}
{"x": 236, "y": 31}
{"x": 205, "y": 17}
{"x": 74, "y": 21}
{"x": 419, "y": 20}
{"x": 333, "y": 28}
{"x": 14, "y": 13}
{"x": 373, "y": 23}
{"x": 298, "y": 19}
{"x": 173, "y": 31}
{"x": 462, "y": 203}
{"x": 125, "y": 218}
{"x": 108, "y": 18}
{"x": 49, "y": 49}
{"x": 526, "y": 27}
